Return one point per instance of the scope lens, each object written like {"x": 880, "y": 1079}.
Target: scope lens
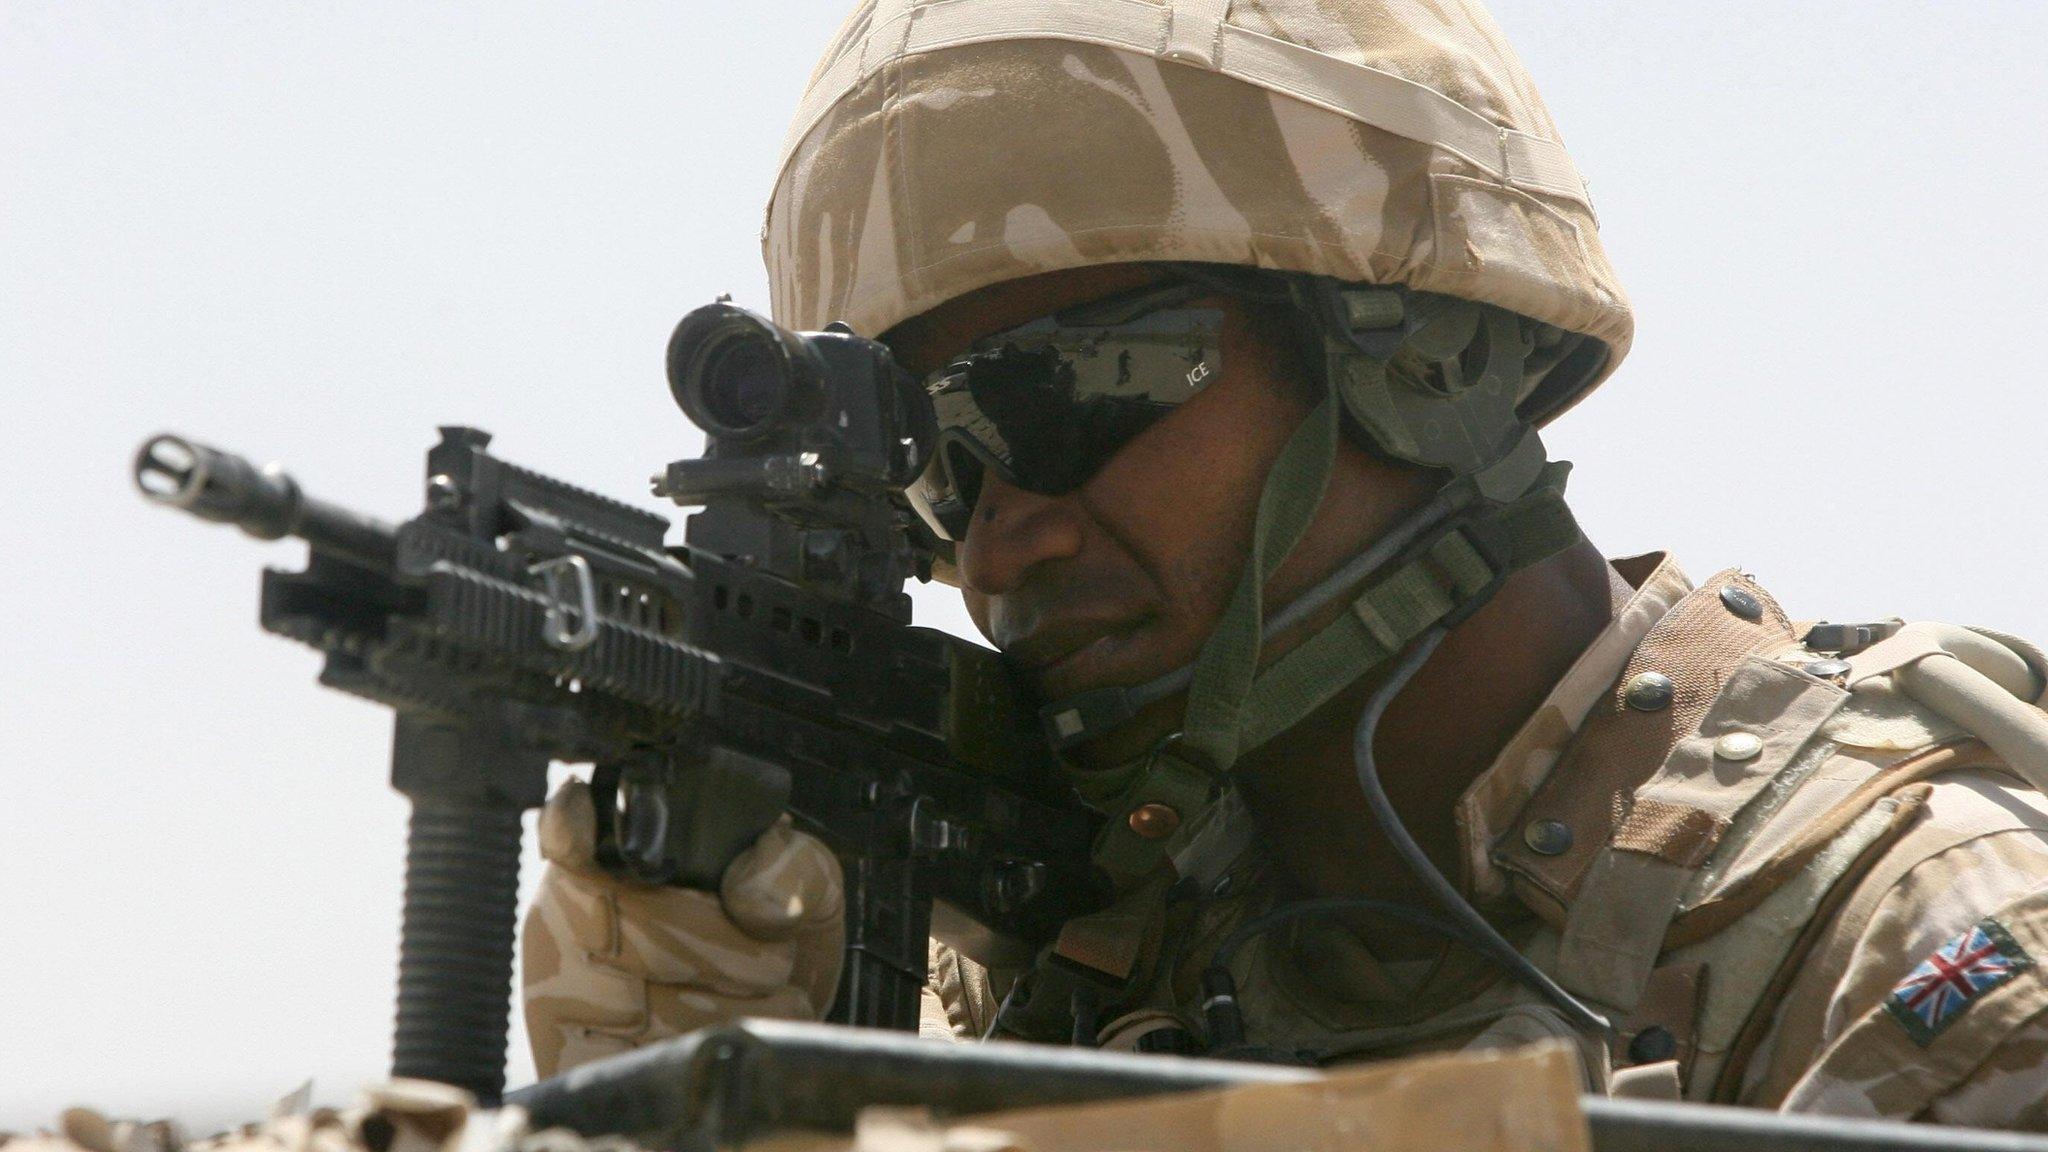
{"x": 743, "y": 382}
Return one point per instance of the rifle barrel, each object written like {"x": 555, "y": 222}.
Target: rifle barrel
{"x": 264, "y": 502}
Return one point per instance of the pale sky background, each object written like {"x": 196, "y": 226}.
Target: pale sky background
{"x": 312, "y": 232}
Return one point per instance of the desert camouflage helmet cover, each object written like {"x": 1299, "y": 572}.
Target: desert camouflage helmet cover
{"x": 946, "y": 145}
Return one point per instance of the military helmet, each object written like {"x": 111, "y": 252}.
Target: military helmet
{"x": 946, "y": 145}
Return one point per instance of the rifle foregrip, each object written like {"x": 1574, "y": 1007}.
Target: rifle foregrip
{"x": 455, "y": 948}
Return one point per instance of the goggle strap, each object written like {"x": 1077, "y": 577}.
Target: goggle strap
{"x": 1128, "y": 306}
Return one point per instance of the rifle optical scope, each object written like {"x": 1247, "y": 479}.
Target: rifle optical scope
{"x": 740, "y": 377}
{"x": 793, "y": 417}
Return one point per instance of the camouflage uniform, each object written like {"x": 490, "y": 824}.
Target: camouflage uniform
{"x": 1865, "y": 833}
{"x": 1756, "y": 865}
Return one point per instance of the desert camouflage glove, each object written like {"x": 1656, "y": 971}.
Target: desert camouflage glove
{"x": 608, "y": 965}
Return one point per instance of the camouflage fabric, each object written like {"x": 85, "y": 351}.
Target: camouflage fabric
{"x": 606, "y": 966}
{"x": 945, "y": 147}
{"x": 1492, "y": 804}
{"x": 1978, "y": 853}
{"x": 958, "y": 1002}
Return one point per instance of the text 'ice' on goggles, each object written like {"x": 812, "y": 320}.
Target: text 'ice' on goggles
{"x": 1045, "y": 405}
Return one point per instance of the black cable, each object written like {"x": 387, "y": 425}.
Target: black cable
{"x": 1484, "y": 937}
{"x": 1462, "y": 923}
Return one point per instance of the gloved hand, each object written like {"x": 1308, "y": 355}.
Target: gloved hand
{"x": 607, "y": 965}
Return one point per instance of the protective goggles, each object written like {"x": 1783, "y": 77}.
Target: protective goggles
{"x": 1046, "y": 404}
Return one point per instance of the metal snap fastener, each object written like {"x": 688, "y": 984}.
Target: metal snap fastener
{"x": 1547, "y": 837}
{"x": 1649, "y": 691}
{"x": 1153, "y": 821}
{"x": 1651, "y": 1045}
{"x": 1740, "y": 602}
{"x": 1825, "y": 669}
{"x": 1738, "y": 746}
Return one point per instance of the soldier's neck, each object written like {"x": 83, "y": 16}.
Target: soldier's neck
{"x": 1450, "y": 723}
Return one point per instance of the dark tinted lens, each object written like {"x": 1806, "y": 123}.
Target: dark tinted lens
{"x": 1048, "y": 403}
{"x": 1052, "y": 440}
{"x": 744, "y": 383}
{"x": 1084, "y": 438}
{"x": 966, "y": 473}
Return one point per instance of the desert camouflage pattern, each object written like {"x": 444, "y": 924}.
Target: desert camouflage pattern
{"x": 959, "y": 1001}
{"x": 1779, "y": 1003}
{"x": 607, "y": 966}
{"x": 1986, "y": 848}
{"x": 1009, "y": 153}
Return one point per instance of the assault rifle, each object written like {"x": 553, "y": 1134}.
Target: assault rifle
{"x": 766, "y": 665}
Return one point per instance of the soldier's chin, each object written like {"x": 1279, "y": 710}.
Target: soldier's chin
{"x": 1125, "y": 657}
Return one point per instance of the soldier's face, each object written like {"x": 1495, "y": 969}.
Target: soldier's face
{"x": 1122, "y": 579}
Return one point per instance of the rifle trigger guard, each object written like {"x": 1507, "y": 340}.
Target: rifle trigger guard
{"x": 556, "y": 629}
{"x": 643, "y": 841}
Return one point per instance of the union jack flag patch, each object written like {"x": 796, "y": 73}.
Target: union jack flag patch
{"x": 1935, "y": 993}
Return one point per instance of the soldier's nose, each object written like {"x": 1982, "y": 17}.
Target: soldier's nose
{"x": 1013, "y": 531}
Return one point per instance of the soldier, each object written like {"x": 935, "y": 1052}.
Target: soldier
{"x": 1241, "y": 320}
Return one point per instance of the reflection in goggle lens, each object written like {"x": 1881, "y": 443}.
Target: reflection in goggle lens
{"x": 1046, "y": 405}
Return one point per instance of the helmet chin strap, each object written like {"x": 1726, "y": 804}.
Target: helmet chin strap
{"x": 1434, "y": 568}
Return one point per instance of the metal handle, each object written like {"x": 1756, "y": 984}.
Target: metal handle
{"x": 562, "y": 610}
